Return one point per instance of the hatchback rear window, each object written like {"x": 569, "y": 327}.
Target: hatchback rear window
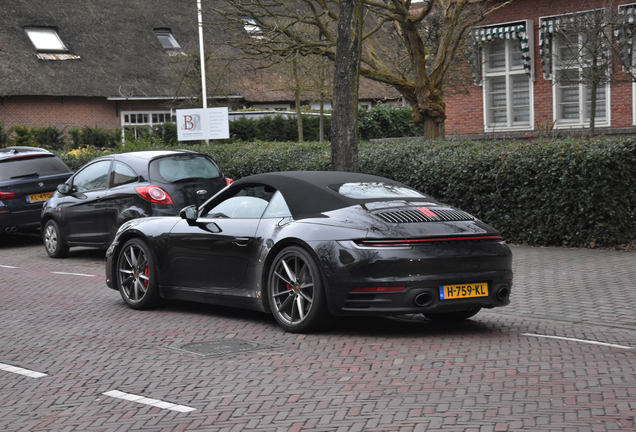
{"x": 375, "y": 190}
{"x": 174, "y": 169}
{"x": 32, "y": 167}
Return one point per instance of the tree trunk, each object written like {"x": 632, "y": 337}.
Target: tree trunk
{"x": 321, "y": 122}
{"x": 344, "y": 121}
{"x": 299, "y": 116}
{"x": 431, "y": 128}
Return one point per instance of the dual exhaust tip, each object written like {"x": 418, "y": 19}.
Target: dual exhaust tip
{"x": 11, "y": 229}
{"x": 425, "y": 298}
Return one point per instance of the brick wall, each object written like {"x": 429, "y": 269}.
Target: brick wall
{"x": 69, "y": 112}
{"x": 465, "y": 112}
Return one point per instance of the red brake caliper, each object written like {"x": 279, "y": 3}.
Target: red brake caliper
{"x": 147, "y": 274}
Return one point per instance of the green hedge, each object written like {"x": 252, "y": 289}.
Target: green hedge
{"x": 576, "y": 193}
{"x": 568, "y": 192}
{"x": 383, "y": 121}
{"x": 278, "y": 128}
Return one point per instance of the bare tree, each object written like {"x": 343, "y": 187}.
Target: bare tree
{"x": 397, "y": 47}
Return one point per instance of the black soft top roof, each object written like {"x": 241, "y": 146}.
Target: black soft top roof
{"x": 307, "y": 193}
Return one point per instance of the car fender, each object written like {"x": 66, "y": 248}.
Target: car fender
{"x": 316, "y": 239}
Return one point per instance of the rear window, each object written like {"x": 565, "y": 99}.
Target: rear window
{"x": 32, "y": 167}
{"x": 375, "y": 190}
{"x": 177, "y": 168}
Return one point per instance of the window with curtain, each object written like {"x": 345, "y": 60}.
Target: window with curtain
{"x": 506, "y": 85}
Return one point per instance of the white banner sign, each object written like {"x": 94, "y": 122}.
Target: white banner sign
{"x": 203, "y": 123}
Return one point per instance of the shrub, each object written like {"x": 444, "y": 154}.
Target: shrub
{"x": 21, "y": 135}
{"x": 49, "y": 137}
{"x": 4, "y": 137}
{"x": 165, "y": 134}
{"x": 77, "y": 158}
{"x": 277, "y": 128}
{"x": 95, "y": 137}
{"x": 385, "y": 121}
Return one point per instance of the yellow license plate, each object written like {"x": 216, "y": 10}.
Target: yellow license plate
{"x": 39, "y": 197}
{"x": 451, "y": 292}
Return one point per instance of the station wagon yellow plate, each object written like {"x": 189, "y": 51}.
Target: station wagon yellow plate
{"x": 38, "y": 197}
{"x": 451, "y": 292}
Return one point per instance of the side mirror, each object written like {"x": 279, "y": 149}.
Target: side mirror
{"x": 189, "y": 213}
{"x": 64, "y": 188}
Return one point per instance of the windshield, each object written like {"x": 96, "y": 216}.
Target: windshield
{"x": 176, "y": 168}
{"x": 375, "y": 190}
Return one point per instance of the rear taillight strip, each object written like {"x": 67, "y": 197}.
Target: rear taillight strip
{"x": 378, "y": 289}
{"x": 428, "y": 240}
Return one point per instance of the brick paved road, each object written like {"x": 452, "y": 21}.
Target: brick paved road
{"x": 492, "y": 373}
{"x": 576, "y": 285}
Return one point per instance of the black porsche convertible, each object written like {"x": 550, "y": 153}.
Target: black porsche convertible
{"x": 309, "y": 245}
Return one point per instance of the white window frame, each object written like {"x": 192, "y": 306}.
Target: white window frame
{"x": 148, "y": 113}
{"x": 583, "y": 120}
{"x": 168, "y": 34}
{"x": 46, "y": 39}
{"x": 272, "y": 107}
{"x": 625, "y": 6}
{"x": 150, "y": 122}
{"x": 508, "y": 72}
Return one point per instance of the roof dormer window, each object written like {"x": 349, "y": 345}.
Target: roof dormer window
{"x": 252, "y": 28}
{"x": 46, "y": 39}
{"x": 167, "y": 40}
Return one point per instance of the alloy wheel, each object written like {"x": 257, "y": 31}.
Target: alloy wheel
{"x": 50, "y": 239}
{"x": 133, "y": 272}
{"x": 292, "y": 288}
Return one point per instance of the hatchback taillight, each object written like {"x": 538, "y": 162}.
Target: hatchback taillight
{"x": 228, "y": 181}
{"x": 154, "y": 194}
{"x": 7, "y": 196}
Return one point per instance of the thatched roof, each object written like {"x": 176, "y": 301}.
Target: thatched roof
{"x": 119, "y": 54}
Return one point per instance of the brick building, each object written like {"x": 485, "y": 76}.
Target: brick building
{"x": 113, "y": 63}
{"x": 532, "y": 71}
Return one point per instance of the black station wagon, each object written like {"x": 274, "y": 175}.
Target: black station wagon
{"x": 28, "y": 177}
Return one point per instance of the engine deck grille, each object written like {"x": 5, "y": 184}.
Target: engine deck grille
{"x": 436, "y": 215}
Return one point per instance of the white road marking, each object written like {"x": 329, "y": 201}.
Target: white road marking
{"x": 5, "y": 266}
{"x": 73, "y": 274}
{"x": 21, "y": 371}
{"x": 578, "y": 340}
{"x": 147, "y": 401}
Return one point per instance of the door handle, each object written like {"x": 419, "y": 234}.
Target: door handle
{"x": 241, "y": 241}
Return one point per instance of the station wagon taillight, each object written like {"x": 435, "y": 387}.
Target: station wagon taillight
{"x": 154, "y": 194}
{"x": 7, "y": 196}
